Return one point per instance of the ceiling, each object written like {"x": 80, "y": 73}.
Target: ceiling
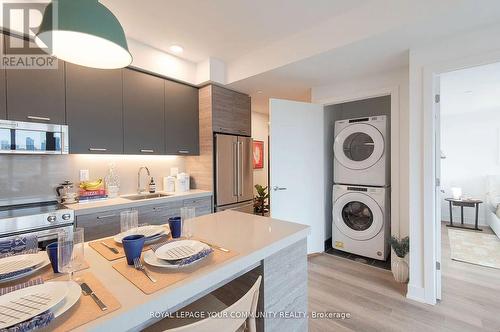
{"x": 475, "y": 89}
{"x": 283, "y": 48}
{"x": 224, "y": 29}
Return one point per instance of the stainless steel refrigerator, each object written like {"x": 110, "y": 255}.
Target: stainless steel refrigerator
{"x": 233, "y": 173}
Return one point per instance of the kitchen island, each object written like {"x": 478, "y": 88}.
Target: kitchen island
{"x": 275, "y": 249}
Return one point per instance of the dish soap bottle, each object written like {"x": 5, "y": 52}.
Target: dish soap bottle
{"x": 152, "y": 186}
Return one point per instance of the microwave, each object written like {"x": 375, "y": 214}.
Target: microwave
{"x": 33, "y": 138}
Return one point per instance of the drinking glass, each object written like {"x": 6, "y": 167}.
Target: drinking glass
{"x": 187, "y": 216}
{"x": 70, "y": 251}
{"x": 128, "y": 220}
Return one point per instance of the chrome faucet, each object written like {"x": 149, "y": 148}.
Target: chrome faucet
{"x": 139, "y": 189}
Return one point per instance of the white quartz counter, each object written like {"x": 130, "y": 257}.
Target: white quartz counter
{"x": 254, "y": 238}
{"x": 123, "y": 203}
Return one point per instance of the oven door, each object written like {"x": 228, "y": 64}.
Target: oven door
{"x": 45, "y": 236}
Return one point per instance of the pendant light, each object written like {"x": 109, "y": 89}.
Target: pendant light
{"x": 84, "y": 32}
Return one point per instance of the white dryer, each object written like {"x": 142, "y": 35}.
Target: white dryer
{"x": 361, "y": 151}
{"x": 361, "y": 220}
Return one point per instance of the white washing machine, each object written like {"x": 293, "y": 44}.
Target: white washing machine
{"x": 361, "y": 220}
{"x": 361, "y": 151}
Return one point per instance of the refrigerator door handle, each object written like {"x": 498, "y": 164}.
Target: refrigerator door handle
{"x": 235, "y": 169}
{"x": 240, "y": 169}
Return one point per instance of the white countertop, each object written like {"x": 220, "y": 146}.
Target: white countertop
{"x": 252, "y": 237}
{"x": 123, "y": 203}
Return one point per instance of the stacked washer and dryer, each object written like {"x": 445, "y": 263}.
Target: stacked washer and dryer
{"x": 361, "y": 193}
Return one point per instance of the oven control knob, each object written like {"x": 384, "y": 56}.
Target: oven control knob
{"x": 66, "y": 216}
{"x": 51, "y": 218}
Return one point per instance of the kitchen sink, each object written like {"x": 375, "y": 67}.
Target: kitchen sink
{"x": 144, "y": 196}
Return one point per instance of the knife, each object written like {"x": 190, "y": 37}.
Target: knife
{"x": 114, "y": 250}
{"x": 215, "y": 246}
{"x": 88, "y": 291}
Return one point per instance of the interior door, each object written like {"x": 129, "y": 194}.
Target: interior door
{"x": 438, "y": 193}
{"x": 226, "y": 169}
{"x": 297, "y": 166}
{"x": 245, "y": 154}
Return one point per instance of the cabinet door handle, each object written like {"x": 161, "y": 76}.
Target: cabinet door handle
{"x": 276, "y": 188}
{"x": 97, "y": 150}
{"x": 106, "y": 216}
{"x": 157, "y": 209}
{"x": 147, "y": 151}
{"x": 184, "y": 151}
{"x": 39, "y": 118}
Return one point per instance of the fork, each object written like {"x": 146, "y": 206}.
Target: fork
{"x": 138, "y": 266}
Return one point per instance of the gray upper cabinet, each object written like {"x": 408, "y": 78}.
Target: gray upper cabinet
{"x": 231, "y": 112}
{"x": 94, "y": 109}
{"x": 36, "y": 95}
{"x": 181, "y": 119}
{"x": 143, "y": 113}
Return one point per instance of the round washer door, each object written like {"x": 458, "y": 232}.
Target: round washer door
{"x": 358, "y": 216}
{"x": 359, "y": 146}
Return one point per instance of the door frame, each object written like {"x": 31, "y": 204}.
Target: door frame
{"x": 431, "y": 243}
{"x": 394, "y": 92}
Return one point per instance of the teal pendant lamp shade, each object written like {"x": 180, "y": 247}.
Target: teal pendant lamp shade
{"x": 84, "y": 32}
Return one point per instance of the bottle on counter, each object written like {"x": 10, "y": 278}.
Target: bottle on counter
{"x": 152, "y": 186}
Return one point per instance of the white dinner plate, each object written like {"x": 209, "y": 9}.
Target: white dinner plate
{"x": 73, "y": 295}
{"x": 26, "y": 303}
{"x": 175, "y": 250}
{"x": 15, "y": 263}
{"x": 148, "y": 232}
{"x": 151, "y": 259}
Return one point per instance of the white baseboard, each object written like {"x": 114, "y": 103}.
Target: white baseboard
{"x": 416, "y": 293}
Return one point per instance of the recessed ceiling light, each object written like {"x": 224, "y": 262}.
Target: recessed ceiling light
{"x": 176, "y": 49}
{"x": 468, "y": 91}
{"x": 259, "y": 91}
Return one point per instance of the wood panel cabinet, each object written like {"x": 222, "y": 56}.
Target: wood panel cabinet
{"x": 36, "y": 95}
{"x": 202, "y": 205}
{"x": 106, "y": 224}
{"x": 231, "y": 112}
{"x": 181, "y": 119}
{"x": 158, "y": 214}
{"x": 143, "y": 113}
{"x": 94, "y": 109}
{"x": 99, "y": 225}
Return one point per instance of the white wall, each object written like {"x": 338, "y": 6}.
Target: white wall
{"x": 260, "y": 131}
{"x": 159, "y": 62}
{"x": 469, "y": 158}
{"x": 463, "y": 50}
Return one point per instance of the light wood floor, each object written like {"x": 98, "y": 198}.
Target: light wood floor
{"x": 471, "y": 297}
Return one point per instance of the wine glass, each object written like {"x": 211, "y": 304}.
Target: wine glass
{"x": 70, "y": 251}
{"x": 187, "y": 216}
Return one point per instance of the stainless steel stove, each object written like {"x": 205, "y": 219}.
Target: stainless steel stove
{"x": 43, "y": 219}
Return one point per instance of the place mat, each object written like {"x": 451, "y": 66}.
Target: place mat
{"x": 166, "y": 277}
{"x": 85, "y": 310}
{"x": 111, "y": 256}
{"x": 46, "y": 273}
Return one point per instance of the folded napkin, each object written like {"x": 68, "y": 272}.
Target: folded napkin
{"x": 185, "y": 261}
{"x": 202, "y": 254}
{"x": 18, "y": 244}
{"x": 36, "y": 322}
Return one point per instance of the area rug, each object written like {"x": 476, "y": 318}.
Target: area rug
{"x": 475, "y": 248}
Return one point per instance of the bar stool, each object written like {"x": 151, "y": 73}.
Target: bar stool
{"x": 245, "y": 307}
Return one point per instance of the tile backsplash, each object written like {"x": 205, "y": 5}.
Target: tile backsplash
{"x": 34, "y": 178}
